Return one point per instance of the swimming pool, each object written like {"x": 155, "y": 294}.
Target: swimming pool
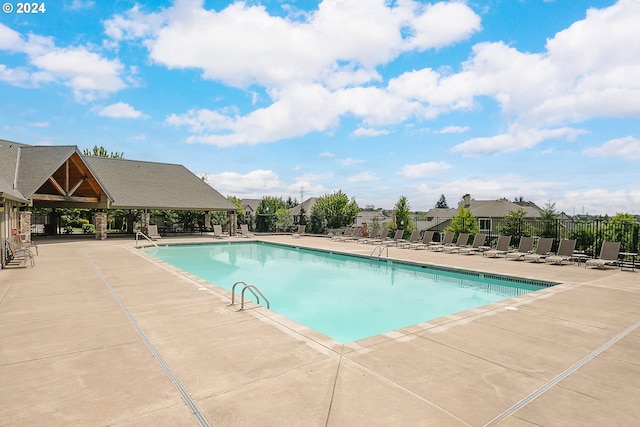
{"x": 344, "y": 297}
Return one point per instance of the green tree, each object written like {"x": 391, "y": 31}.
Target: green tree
{"x": 335, "y": 210}
{"x": 303, "y": 216}
{"x": 442, "y": 203}
{"x": 266, "y": 213}
{"x": 464, "y": 222}
{"x": 514, "y": 225}
{"x": 102, "y": 152}
{"x": 404, "y": 221}
{"x": 283, "y": 219}
{"x": 548, "y": 221}
{"x": 623, "y": 228}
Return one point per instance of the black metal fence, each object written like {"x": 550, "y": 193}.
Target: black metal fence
{"x": 589, "y": 234}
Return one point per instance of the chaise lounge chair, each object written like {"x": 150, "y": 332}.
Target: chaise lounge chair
{"x": 543, "y": 250}
{"x": 478, "y": 240}
{"x": 397, "y": 239}
{"x": 462, "y": 241}
{"x": 152, "y": 232}
{"x": 413, "y": 239}
{"x": 502, "y": 247}
{"x": 524, "y": 248}
{"x": 427, "y": 240}
{"x": 565, "y": 252}
{"x": 217, "y": 232}
{"x": 609, "y": 253}
{"x": 300, "y": 232}
{"x": 447, "y": 240}
{"x": 244, "y": 231}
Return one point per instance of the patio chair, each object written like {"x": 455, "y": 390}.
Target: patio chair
{"x": 413, "y": 239}
{"x": 22, "y": 242}
{"x": 565, "y": 252}
{"x": 375, "y": 234}
{"x": 427, "y": 240}
{"x": 397, "y": 239}
{"x": 524, "y": 248}
{"x": 299, "y": 232}
{"x": 244, "y": 231}
{"x": 338, "y": 236}
{"x": 347, "y": 235}
{"x": 478, "y": 241}
{"x": 462, "y": 241}
{"x": 19, "y": 257}
{"x": 447, "y": 240}
{"x": 217, "y": 232}
{"x": 502, "y": 247}
{"x": 609, "y": 253}
{"x": 152, "y": 232}
{"x": 543, "y": 250}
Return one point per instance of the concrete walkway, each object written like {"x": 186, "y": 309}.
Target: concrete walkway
{"x": 99, "y": 334}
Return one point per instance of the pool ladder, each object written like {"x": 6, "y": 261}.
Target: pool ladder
{"x": 255, "y": 291}
{"x": 379, "y": 249}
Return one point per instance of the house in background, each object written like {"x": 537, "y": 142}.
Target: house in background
{"x": 250, "y": 207}
{"x": 307, "y": 205}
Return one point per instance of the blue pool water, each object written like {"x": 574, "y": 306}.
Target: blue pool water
{"x": 344, "y": 297}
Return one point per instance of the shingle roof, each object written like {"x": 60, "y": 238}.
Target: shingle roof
{"x": 129, "y": 184}
{"x": 146, "y": 185}
{"x": 307, "y": 205}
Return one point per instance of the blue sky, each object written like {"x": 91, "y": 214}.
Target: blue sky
{"x": 503, "y": 98}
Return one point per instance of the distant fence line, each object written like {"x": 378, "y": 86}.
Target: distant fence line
{"x": 589, "y": 235}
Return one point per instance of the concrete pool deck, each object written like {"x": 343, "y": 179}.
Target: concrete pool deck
{"x": 99, "y": 334}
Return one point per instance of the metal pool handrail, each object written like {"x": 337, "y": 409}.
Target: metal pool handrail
{"x": 380, "y": 248}
{"x": 255, "y": 291}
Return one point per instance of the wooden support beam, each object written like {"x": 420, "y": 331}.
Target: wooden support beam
{"x": 57, "y": 186}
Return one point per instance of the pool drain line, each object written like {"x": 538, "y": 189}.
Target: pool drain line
{"x": 156, "y": 354}
{"x": 563, "y": 375}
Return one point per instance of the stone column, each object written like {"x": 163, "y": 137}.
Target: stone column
{"x": 101, "y": 225}
{"x": 145, "y": 218}
{"x": 233, "y": 223}
{"x": 207, "y": 220}
{"x": 25, "y": 225}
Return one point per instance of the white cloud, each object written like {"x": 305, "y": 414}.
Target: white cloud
{"x": 515, "y": 140}
{"x": 121, "y": 110}
{"x": 362, "y": 177}
{"x": 421, "y": 170}
{"x": 40, "y": 124}
{"x": 454, "y": 129}
{"x": 87, "y": 73}
{"x": 350, "y": 161}
{"x": 327, "y": 154}
{"x": 626, "y": 148}
{"x": 255, "y": 183}
{"x": 370, "y": 132}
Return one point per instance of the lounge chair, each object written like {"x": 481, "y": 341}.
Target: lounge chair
{"x": 565, "y": 252}
{"x": 478, "y": 240}
{"x": 543, "y": 250}
{"x": 413, "y": 239}
{"x": 383, "y": 237}
{"x": 152, "y": 232}
{"x": 244, "y": 231}
{"x": 397, "y": 239}
{"x": 462, "y": 241}
{"x": 502, "y": 247}
{"x": 375, "y": 234}
{"x": 525, "y": 247}
{"x": 347, "y": 235}
{"x": 609, "y": 253}
{"x": 427, "y": 240}
{"x": 338, "y": 234}
{"x": 299, "y": 232}
{"x": 447, "y": 240}
{"x": 217, "y": 232}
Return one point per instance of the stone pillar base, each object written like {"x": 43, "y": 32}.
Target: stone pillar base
{"x": 101, "y": 225}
